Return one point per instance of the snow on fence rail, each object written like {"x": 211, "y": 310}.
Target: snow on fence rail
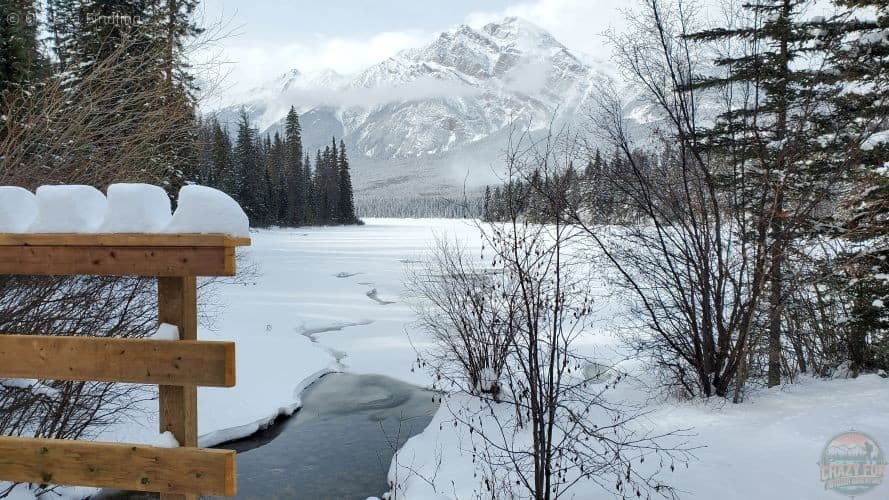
{"x": 178, "y": 367}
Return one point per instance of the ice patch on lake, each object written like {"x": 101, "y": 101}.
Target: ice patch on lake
{"x": 374, "y": 296}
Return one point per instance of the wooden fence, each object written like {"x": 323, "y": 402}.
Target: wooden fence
{"x": 177, "y": 367}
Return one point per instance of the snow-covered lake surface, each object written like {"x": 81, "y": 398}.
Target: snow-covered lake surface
{"x": 331, "y": 299}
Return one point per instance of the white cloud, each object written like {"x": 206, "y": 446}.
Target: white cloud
{"x": 250, "y": 65}
{"x": 577, "y": 24}
{"x": 415, "y": 90}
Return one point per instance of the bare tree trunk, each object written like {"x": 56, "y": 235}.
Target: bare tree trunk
{"x": 776, "y": 302}
{"x": 776, "y": 283}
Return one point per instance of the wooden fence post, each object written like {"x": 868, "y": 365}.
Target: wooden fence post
{"x": 178, "y": 367}
{"x": 177, "y": 305}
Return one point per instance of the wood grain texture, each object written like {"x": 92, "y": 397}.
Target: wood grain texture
{"x": 140, "y": 361}
{"x": 123, "y": 239}
{"x": 118, "y": 260}
{"x": 122, "y": 466}
{"x": 178, "y": 405}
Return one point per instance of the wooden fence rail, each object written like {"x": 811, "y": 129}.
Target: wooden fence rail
{"x": 177, "y": 367}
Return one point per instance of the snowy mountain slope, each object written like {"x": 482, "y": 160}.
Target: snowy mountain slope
{"x": 426, "y": 116}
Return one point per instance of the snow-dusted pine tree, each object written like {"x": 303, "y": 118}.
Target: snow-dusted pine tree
{"x": 861, "y": 58}
{"x": 778, "y": 136}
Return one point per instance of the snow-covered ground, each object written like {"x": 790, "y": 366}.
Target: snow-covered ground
{"x": 766, "y": 448}
{"x": 332, "y": 299}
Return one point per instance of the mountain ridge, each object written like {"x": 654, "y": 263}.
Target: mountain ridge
{"x": 434, "y": 118}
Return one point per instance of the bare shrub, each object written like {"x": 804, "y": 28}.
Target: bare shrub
{"x": 549, "y": 428}
{"x": 692, "y": 273}
{"x": 471, "y": 315}
{"x": 105, "y": 126}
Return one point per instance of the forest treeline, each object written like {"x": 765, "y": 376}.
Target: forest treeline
{"x": 273, "y": 179}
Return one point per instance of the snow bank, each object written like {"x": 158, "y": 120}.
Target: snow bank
{"x": 775, "y": 437}
{"x": 203, "y": 209}
{"x": 18, "y": 209}
{"x": 69, "y": 209}
{"x": 136, "y": 208}
{"x": 273, "y": 370}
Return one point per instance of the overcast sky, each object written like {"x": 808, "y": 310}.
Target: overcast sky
{"x": 266, "y": 38}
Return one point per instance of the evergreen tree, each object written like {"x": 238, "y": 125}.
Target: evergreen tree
{"x": 346, "y": 196}
{"x": 773, "y": 139}
{"x": 223, "y": 175}
{"x": 297, "y": 190}
{"x": 488, "y": 207}
{"x": 278, "y": 181}
{"x": 21, "y": 63}
{"x": 266, "y": 192}
{"x": 311, "y": 214}
{"x": 860, "y": 55}
{"x": 248, "y": 171}
{"x": 498, "y": 212}
{"x": 331, "y": 183}
{"x": 319, "y": 200}
{"x": 594, "y": 166}
{"x": 258, "y": 172}
{"x": 139, "y": 43}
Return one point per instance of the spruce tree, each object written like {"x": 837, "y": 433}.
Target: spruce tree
{"x": 266, "y": 192}
{"x": 332, "y": 183}
{"x": 772, "y": 140}
{"x": 498, "y": 212}
{"x": 346, "y": 196}
{"x": 297, "y": 190}
{"x": 860, "y": 55}
{"x": 310, "y": 216}
{"x": 488, "y": 206}
{"x": 21, "y": 63}
{"x": 248, "y": 171}
{"x": 319, "y": 200}
{"x": 223, "y": 176}
{"x": 278, "y": 181}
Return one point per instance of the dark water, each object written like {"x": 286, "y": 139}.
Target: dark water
{"x": 338, "y": 446}
{"x": 340, "y": 443}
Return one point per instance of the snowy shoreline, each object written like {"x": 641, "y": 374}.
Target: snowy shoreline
{"x": 314, "y": 299}
{"x": 215, "y": 438}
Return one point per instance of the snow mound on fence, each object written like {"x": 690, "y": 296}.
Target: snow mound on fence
{"x": 128, "y": 208}
{"x": 136, "y": 208}
{"x": 166, "y": 331}
{"x": 69, "y": 209}
{"x": 206, "y": 210}
{"x": 18, "y": 209}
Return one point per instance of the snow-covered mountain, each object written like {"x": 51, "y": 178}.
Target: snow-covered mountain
{"x": 434, "y": 118}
